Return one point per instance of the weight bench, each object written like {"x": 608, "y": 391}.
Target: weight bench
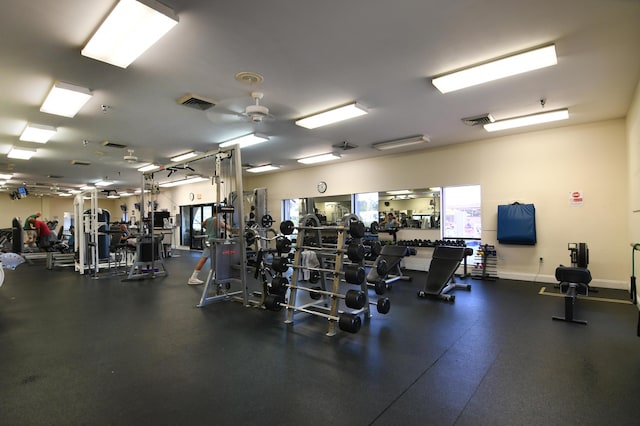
{"x": 388, "y": 260}
{"x": 573, "y": 281}
{"x": 440, "y": 277}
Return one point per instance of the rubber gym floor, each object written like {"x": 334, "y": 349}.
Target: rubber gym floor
{"x": 76, "y": 350}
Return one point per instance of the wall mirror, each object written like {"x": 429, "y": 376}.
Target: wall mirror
{"x": 413, "y": 208}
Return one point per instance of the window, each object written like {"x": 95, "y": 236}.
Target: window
{"x": 367, "y": 207}
{"x": 462, "y": 212}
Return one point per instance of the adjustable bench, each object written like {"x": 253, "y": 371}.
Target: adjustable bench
{"x": 389, "y": 259}
{"x": 440, "y": 278}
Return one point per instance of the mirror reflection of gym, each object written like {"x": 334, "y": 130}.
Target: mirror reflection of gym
{"x": 413, "y": 208}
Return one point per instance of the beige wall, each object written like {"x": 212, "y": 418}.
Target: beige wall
{"x": 539, "y": 167}
{"x": 633, "y": 156}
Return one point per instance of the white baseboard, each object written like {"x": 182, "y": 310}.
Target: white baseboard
{"x": 619, "y": 285}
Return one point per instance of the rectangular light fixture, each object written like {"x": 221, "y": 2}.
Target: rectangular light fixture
{"x": 39, "y": 133}
{"x": 332, "y": 116}
{"x": 400, "y": 192}
{"x": 131, "y": 28}
{"x": 87, "y": 187}
{"x": 527, "y": 120}
{"x": 401, "y": 143}
{"x": 319, "y": 158}
{"x": 21, "y": 153}
{"x": 184, "y": 156}
{"x": 5, "y": 176}
{"x": 65, "y": 194}
{"x": 65, "y": 99}
{"x": 192, "y": 179}
{"x": 102, "y": 183}
{"x": 148, "y": 168}
{"x": 495, "y": 70}
{"x": 261, "y": 169}
{"x": 245, "y": 141}
{"x": 2, "y": 182}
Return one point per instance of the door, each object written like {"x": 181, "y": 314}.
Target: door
{"x": 192, "y": 219}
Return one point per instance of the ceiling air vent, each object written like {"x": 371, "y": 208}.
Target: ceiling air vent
{"x": 196, "y": 102}
{"x": 80, "y": 163}
{"x": 55, "y": 176}
{"x": 113, "y": 145}
{"x": 478, "y": 120}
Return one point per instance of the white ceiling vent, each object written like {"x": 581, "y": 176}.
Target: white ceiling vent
{"x": 196, "y": 102}
{"x": 478, "y": 120}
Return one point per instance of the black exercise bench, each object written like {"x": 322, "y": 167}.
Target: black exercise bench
{"x": 441, "y": 278}
{"x": 388, "y": 260}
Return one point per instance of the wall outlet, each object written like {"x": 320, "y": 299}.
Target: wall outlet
{"x": 541, "y": 260}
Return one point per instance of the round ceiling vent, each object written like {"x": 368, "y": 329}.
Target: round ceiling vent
{"x": 248, "y": 77}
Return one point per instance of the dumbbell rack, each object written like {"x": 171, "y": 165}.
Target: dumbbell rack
{"x": 328, "y": 305}
{"x": 486, "y": 263}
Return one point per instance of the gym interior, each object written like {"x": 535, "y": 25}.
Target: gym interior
{"x": 443, "y": 321}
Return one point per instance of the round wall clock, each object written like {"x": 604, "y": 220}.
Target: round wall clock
{"x": 191, "y": 196}
{"x": 322, "y": 187}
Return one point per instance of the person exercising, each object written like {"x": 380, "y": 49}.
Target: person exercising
{"x": 390, "y": 222}
{"x": 45, "y": 236}
{"x": 29, "y": 231}
{"x": 211, "y": 226}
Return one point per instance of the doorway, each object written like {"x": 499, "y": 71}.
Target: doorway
{"x": 192, "y": 219}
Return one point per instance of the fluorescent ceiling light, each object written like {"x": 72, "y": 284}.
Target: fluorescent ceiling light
{"x": 148, "y": 167}
{"x": 495, "y": 70}
{"x": 184, "y": 156}
{"x": 65, "y": 194}
{"x": 21, "y": 153}
{"x": 87, "y": 187}
{"x": 5, "y": 176}
{"x": 192, "y": 179}
{"x": 65, "y": 99}
{"x": 318, "y": 158}
{"x": 103, "y": 183}
{"x": 400, "y": 143}
{"x": 131, "y": 28}
{"x": 399, "y": 192}
{"x": 74, "y": 191}
{"x": 113, "y": 195}
{"x": 2, "y": 182}
{"x": 332, "y": 116}
{"x": 38, "y": 133}
{"x": 262, "y": 169}
{"x": 527, "y": 120}
{"x": 125, "y": 194}
{"x": 246, "y": 140}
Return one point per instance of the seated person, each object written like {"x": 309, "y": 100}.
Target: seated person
{"x": 72, "y": 237}
{"x": 390, "y": 222}
{"x": 45, "y": 236}
{"x": 127, "y": 237}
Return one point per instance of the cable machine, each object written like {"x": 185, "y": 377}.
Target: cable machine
{"x": 227, "y": 278}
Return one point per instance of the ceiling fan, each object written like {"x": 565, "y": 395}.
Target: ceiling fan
{"x": 254, "y": 112}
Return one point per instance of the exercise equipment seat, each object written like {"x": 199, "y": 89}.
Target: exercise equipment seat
{"x": 573, "y": 281}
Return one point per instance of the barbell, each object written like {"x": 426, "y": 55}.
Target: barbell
{"x": 355, "y": 252}
{"x": 354, "y": 299}
{"x": 356, "y": 228}
{"x": 353, "y": 274}
{"x": 346, "y": 321}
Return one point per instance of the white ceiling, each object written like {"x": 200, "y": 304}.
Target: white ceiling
{"x": 313, "y": 55}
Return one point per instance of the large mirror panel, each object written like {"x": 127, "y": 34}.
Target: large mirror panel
{"x": 411, "y": 208}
